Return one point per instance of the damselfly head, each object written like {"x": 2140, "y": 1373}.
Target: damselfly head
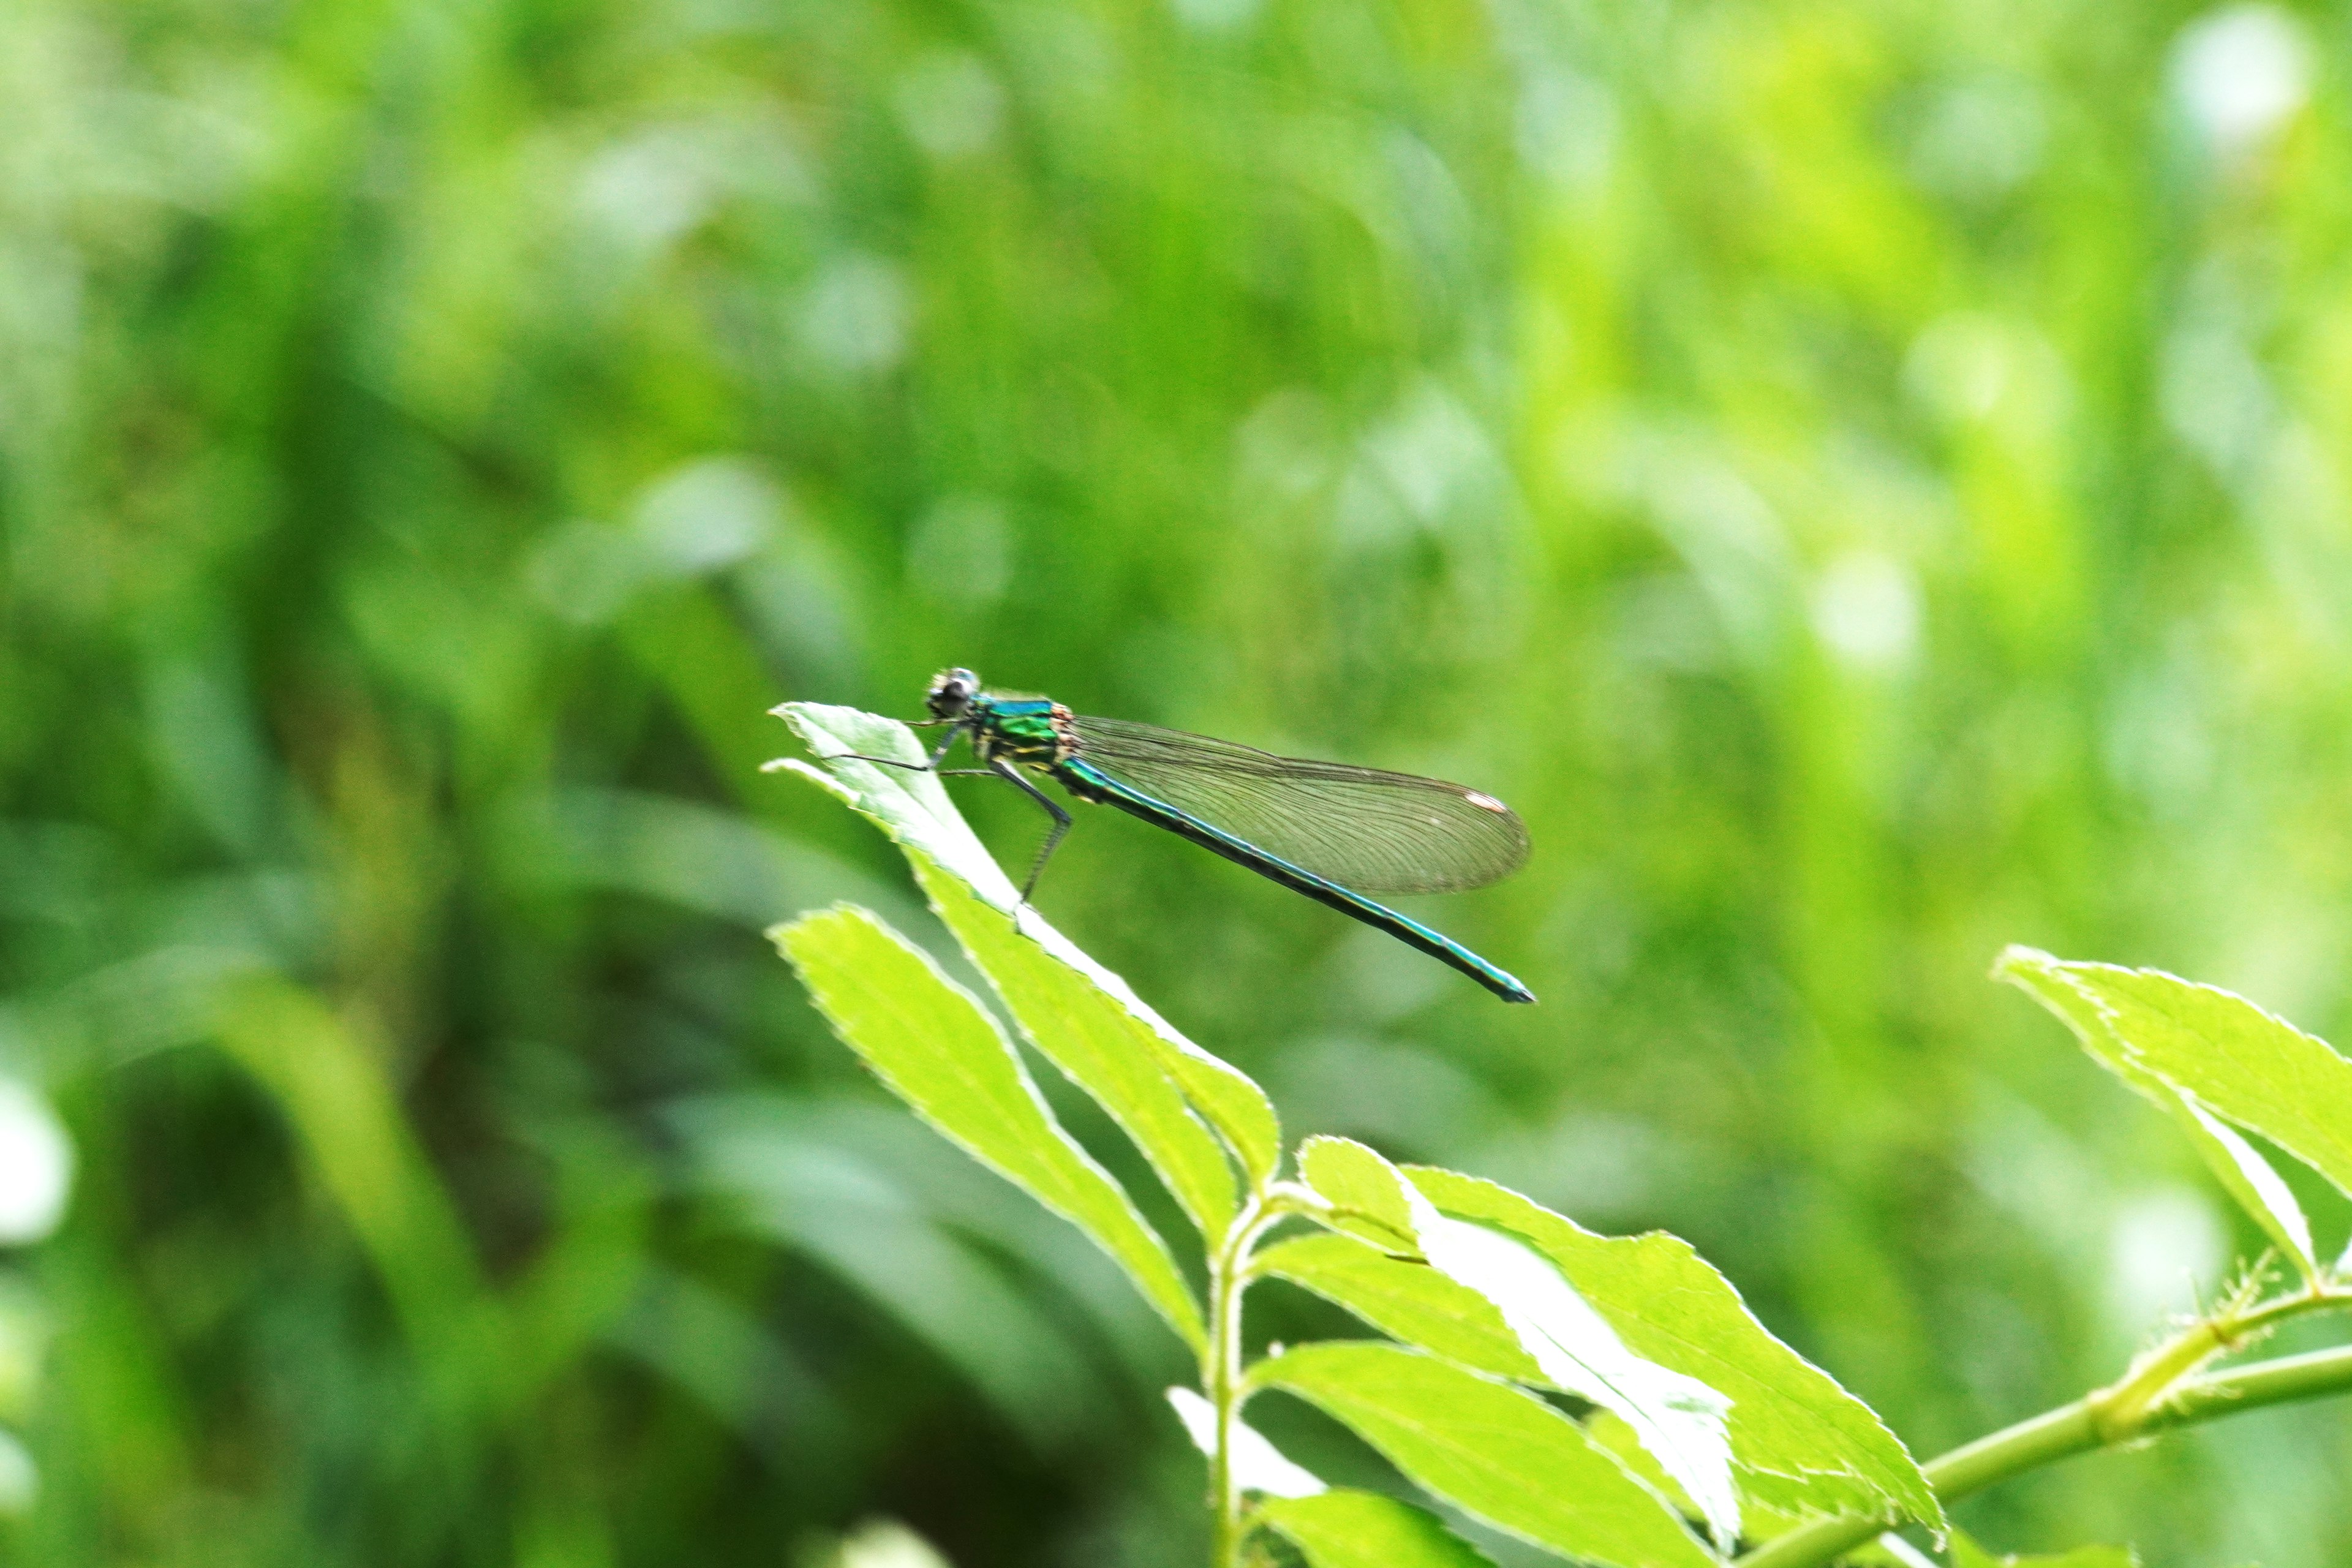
{"x": 951, "y": 692}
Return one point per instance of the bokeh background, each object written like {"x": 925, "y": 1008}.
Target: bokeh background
{"x": 1868, "y": 482}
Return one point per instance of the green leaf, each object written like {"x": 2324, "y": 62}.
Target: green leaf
{"x": 1802, "y": 1444}
{"x": 1079, "y": 1015}
{"x": 1967, "y": 1553}
{"x": 1363, "y": 1187}
{"x": 1498, "y": 1453}
{"x": 937, "y": 1049}
{"x": 1680, "y": 1420}
{"x": 2196, "y": 1049}
{"x": 1607, "y": 1431}
{"x": 2249, "y": 1178}
{"x": 1366, "y": 1529}
{"x": 1099, "y": 1044}
{"x": 1409, "y": 1301}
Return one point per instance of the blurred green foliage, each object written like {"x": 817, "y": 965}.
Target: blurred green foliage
{"x": 1866, "y": 481}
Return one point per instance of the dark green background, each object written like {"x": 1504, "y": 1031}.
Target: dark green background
{"x": 1866, "y": 480}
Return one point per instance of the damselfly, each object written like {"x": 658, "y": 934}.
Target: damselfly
{"x": 1323, "y": 829}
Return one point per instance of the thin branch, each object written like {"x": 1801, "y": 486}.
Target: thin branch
{"x": 2069, "y": 1430}
{"x": 1230, "y": 1275}
{"x": 1221, "y": 1375}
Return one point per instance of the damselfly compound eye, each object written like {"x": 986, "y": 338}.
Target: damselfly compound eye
{"x": 951, "y": 692}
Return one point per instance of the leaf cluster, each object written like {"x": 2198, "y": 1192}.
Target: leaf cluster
{"x": 1606, "y": 1399}
{"x": 1693, "y": 1412}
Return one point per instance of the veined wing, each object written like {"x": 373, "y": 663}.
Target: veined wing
{"x": 1365, "y": 829}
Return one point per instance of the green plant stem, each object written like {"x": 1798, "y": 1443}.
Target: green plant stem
{"x": 2071, "y": 1429}
{"x": 1221, "y": 1371}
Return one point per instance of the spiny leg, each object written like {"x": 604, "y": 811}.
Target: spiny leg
{"x": 1004, "y": 770}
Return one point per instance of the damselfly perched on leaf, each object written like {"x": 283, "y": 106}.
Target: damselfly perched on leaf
{"x": 1325, "y": 829}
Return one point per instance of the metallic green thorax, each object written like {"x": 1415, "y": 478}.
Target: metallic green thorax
{"x": 1037, "y": 733}
{"x": 1031, "y": 730}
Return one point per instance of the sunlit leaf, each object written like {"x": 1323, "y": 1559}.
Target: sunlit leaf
{"x": 1802, "y": 1444}
{"x": 1082, "y": 1019}
{"x": 1682, "y": 1422}
{"x": 2236, "y": 1165}
{"x": 938, "y": 1050}
{"x": 1102, "y": 1045}
{"x": 1363, "y": 1189}
{"x": 1409, "y": 1300}
{"x": 1799, "y": 1441}
{"x": 1258, "y": 1465}
{"x": 1496, "y": 1452}
{"x": 1561, "y": 1342}
{"x": 2230, "y": 1057}
{"x": 2258, "y": 1188}
{"x": 1366, "y": 1529}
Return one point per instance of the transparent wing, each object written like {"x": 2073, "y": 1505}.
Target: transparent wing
{"x": 1373, "y": 831}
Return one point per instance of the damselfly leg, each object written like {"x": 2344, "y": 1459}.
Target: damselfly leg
{"x": 999, "y": 769}
{"x": 1004, "y": 770}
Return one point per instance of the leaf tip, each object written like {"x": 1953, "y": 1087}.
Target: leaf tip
{"x": 784, "y": 935}
{"x": 2017, "y": 959}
